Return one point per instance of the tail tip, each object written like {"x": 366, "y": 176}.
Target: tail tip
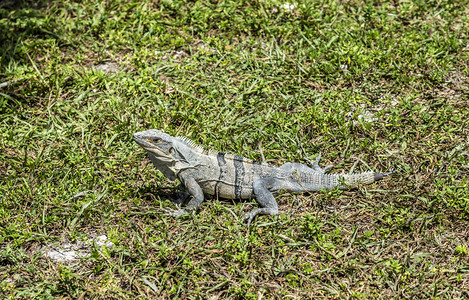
{"x": 379, "y": 176}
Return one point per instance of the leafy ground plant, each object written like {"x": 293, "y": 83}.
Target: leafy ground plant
{"x": 373, "y": 85}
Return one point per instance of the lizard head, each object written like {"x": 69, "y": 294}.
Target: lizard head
{"x": 169, "y": 154}
{"x": 157, "y": 143}
{"x": 161, "y": 150}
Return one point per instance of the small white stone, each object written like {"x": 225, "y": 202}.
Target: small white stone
{"x": 75, "y": 250}
{"x": 59, "y": 255}
{"x": 102, "y": 240}
{"x": 288, "y": 7}
{"x": 108, "y": 67}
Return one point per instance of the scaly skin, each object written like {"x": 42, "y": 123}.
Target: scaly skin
{"x": 229, "y": 176}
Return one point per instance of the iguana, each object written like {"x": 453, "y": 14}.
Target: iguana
{"x": 230, "y": 176}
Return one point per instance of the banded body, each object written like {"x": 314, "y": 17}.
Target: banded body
{"x": 235, "y": 177}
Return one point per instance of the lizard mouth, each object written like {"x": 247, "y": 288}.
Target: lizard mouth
{"x": 142, "y": 143}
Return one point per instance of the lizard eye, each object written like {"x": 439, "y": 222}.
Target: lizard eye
{"x": 171, "y": 150}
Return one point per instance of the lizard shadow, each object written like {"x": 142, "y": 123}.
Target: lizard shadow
{"x": 179, "y": 196}
{"x": 155, "y": 193}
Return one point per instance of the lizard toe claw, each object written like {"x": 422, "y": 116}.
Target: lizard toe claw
{"x": 248, "y": 218}
{"x": 315, "y": 164}
{"x": 309, "y": 161}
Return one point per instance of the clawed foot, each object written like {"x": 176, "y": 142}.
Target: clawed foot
{"x": 249, "y": 217}
{"x": 315, "y": 164}
{"x": 175, "y": 212}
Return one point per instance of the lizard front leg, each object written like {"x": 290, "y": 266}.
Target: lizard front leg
{"x": 196, "y": 193}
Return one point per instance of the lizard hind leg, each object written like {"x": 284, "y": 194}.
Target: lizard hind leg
{"x": 315, "y": 164}
{"x": 263, "y": 190}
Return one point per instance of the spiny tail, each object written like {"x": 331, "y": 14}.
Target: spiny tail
{"x": 365, "y": 178}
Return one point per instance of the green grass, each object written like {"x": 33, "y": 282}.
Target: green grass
{"x": 374, "y": 85}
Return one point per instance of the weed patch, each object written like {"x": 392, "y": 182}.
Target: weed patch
{"x": 374, "y": 86}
